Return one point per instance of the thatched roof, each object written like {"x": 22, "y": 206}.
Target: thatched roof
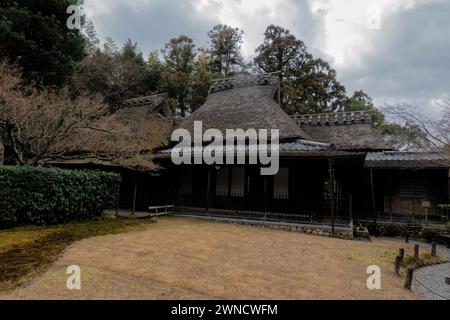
{"x": 352, "y": 131}
{"x": 245, "y": 102}
{"x": 412, "y": 160}
{"x": 125, "y": 138}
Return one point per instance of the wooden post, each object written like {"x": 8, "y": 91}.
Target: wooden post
{"x": 398, "y": 263}
{"x": 331, "y": 168}
{"x": 208, "y": 189}
{"x": 407, "y": 237}
{"x": 133, "y": 207}
{"x": 374, "y": 211}
{"x": 433, "y": 249}
{"x": 401, "y": 253}
{"x": 409, "y": 278}
{"x": 416, "y": 252}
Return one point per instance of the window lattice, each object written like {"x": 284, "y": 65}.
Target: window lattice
{"x": 413, "y": 189}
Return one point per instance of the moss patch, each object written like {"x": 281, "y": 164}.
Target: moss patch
{"x": 27, "y": 251}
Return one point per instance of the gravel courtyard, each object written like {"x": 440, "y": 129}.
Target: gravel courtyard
{"x": 429, "y": 282}
{"x": 181, "y": 258}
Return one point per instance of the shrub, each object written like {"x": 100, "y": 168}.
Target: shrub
{"x": 43, "y": 196}
{"x": 393, "y": 230}
{"x": 430, "y": 234}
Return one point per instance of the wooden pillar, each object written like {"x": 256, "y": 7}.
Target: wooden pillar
{"x": 350, "y": 207}
{"x": 2, "y": 151}
{"x": 390, "y": 195}
{"x": 133, "y": 207}
{"x": 208, "y": 188}
{"x": 118, "y": 194}
{"x": 374, "y": 210}
{"x": 265, "y": 196}
{"x": 331, "y": 169}
{"x": 230, "y": 170}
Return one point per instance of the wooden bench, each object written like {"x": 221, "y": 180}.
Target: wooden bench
{"x": 160, "y": 210}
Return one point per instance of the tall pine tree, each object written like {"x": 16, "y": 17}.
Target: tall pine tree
{"x": 309, "y": 85}
{"x": 34, "y": 34}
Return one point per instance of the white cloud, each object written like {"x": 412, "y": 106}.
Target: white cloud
{"x": 405, "y": 60}
{"x": 348, "y": 25}
{"x": 253, "y": 16}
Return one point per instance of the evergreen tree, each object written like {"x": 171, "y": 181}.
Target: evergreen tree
{"x": 179, "y": 57}
{"x": 34, "y": 35}
{"x": 309, "y": 85}
{"x": 131, "y": 52}
{"x": 361, "y": 101}
{"x": 201, "y": 80}
{"x": 110, "y": 47}
{"x": 92, "y": 40}
{"x": 225, "y": 50}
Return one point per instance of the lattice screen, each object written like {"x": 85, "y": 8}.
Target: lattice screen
{"x": 413, "y": 189}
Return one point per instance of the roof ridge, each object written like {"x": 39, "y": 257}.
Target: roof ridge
{"x": 243, "y": 81}
{"x": 334, "y": 118}
{"x": 154, "y": 99}
{"x": 314, "y": 143}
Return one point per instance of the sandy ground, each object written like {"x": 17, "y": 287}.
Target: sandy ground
{"x": 181, "y": 258}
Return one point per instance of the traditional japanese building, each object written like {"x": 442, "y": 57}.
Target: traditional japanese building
{"x": 334, "y": 167}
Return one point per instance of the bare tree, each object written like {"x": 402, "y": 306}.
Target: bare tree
{"x": 422, "y": 131}
{"x": 126, "y": 138}
{"x": 33, "y": 121}
{"x": 42, "y": 126}
{"x": 116, "y": 79}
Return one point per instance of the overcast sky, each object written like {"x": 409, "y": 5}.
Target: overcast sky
{"x": 395, "y": 50}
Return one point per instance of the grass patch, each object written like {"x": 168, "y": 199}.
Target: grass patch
{"x": 424, "y": 260}
{"x": 27, "y": 251}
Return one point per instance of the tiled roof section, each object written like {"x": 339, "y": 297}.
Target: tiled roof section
{"x": 336, "y": 118}
{"x": 243, "y": 81}
{"x": 304, "y": 145}
{"x": 399, "y": 159}
{"x": 348, "y": 131}
{"x": 154, "y": 100}
{"x": 298, "y": 145}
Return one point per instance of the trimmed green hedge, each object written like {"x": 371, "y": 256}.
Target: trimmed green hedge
{"x": 43, "y": 196}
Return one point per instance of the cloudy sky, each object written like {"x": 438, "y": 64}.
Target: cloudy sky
{"x": 398, "y": 51}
